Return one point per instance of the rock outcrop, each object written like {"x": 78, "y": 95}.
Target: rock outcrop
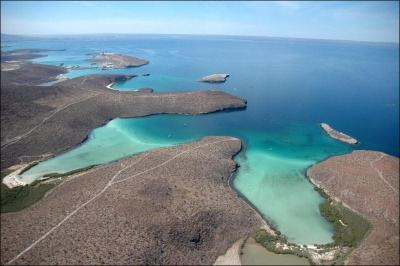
{"x": 338, "y": 135}
{"x": 215, "y": 78}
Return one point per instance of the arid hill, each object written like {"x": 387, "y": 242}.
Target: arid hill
{"x": 23, "y": 54}
{"x": 166, "y": 206}
{"x": 368, "y": 183}
{"x": 37, "y": 120}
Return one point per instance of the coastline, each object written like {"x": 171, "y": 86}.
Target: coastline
{"x": 361, "y": 200}
{"x": 220, "y": 212}
{"x": 234, "y": 173}
{"x": 317, "y": 254}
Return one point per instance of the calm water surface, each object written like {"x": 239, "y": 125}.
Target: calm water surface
{"x": 255, "y": 254}
{"x": 290, "y": 85}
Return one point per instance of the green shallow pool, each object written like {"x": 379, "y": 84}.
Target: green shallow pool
{"x": 255, "y": 254}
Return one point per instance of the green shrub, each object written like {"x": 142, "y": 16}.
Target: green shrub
{"x": 4, "y": 173}
{"x": 355, "y": 228}
{"x": 28, "y": 167}
{"x": 51, "y": 175}
{"x": 20, "y": 197}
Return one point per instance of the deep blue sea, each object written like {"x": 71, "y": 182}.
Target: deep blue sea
{"x": 290, "y": 85}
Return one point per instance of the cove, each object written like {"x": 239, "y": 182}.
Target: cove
{"x": 272, "y": 164}
{"x": 290, "y": 85}
{"x": 256, "y": 254}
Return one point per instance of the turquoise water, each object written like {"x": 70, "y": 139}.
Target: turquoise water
{"x": 271, "y": 173}
{"x": 290, "y": 86}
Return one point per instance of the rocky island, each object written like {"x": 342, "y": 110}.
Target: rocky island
{"x": 338, "y": 135}
{"x": 113, "y": 60}
{"x": 367, "y": 182}
{"x": 214, "y": 78}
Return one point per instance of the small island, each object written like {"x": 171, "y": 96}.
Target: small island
{"x": 214, "y": 78}
{"x": 113, "y": 60}
{"x": 338, "y": 135}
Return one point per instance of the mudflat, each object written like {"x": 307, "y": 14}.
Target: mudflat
{"x": 368, "y": 183}
{"x": 39, "y": 120}
{"x": 166, "y": 206}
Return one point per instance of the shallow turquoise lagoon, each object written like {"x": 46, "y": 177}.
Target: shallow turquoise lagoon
{"x": 290, "y": 85}
{"x": 272, "y": 164}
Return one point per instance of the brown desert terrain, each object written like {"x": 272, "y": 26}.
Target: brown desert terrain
{"x": 23, "y": 54}
{"x": 166, "y": 206}
{"x": 368, "y": 183}
{"x": 38, "y": 120}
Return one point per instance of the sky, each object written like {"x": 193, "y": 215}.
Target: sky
{"x": 342, "y": 20}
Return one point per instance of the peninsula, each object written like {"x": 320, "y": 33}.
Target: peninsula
{"x": 166, "y": 206}
{"x": 58, "y": 117}
{"x": 113, "y": 60}
{"x": 20, "y": 73}
{"x": 23, "y": 54}
{"x": 337, "y": 134}
{"x": 368, "y": 183}
{"x": 215, "y": 78}
{"x": 174, "y": 203}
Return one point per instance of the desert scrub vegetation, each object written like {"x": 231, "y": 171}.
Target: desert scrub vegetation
{"x": 349, "y": 228}
{"x": 52, "y": 175}
{"x": 278, "y": 244}
{"x": 18, "y": 198}
{"x": 4, "y": 173}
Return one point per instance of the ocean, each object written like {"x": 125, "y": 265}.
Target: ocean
{"x": 291, "y": 85}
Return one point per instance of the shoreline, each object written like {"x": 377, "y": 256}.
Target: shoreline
{"x": 374, "y": 238}
{"x": 270, "y": 228}
{"x": 330, "y": 252}
{"x": 86, "y": 138}
{"x": 11, "y": 180}
{"x": 206, "y": 214}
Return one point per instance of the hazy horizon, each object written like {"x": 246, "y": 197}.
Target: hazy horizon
{"x": 192, "y": 35}
{"x": 364, "y": 21}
